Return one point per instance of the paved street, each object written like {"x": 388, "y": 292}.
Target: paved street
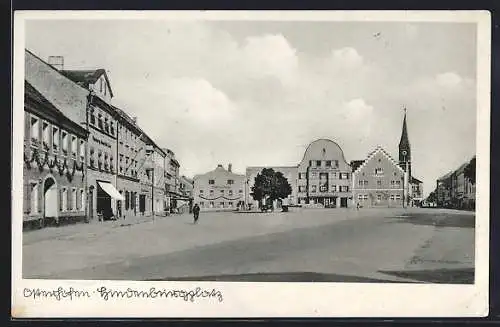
{"x": 369, "y": 245}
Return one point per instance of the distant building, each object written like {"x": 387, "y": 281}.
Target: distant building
{"x": 378, "y": 181}
{"x": 455, "y": 189}
{"x": 172, "y": 180}
{"x": 54, "y": 162}
{"x": 186, "y": 187}
{"x": 219, "y": 189}
{"x": 324, "y": 176}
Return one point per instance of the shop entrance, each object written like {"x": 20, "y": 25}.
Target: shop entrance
{"x": 142, "y": 203}
{"x": 343, "y": 202}
{"x": 103, "y": 203}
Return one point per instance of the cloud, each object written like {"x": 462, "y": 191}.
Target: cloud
{"x": 449, "y": 79}
{"x": 346, "y": 57}
{"x": 269, "y": 55}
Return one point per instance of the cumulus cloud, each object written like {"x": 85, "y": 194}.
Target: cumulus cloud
{"x": 346, "y": 57}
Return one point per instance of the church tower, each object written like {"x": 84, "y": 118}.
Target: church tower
{"x": 404, "y": 149}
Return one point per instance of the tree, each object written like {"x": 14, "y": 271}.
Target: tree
{"x": 270, "y": 184}
{"x": 470, "y": 171}
{"x": 432, "y": 198}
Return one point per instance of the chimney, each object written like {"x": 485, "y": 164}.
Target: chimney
{"x": 57, "y": 62}
{"x": 230, "y": 168}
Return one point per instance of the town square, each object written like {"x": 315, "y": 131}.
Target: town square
{"x": 244, "y": 151}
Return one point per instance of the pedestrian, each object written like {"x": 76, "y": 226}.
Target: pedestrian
{"x": 196, "y": 212}
{"x": 357, "y": 205}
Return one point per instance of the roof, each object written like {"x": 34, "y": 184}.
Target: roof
{"x": 404, "y": 134}
{"x": 356, "y": 163}
{"x": 86, "y": 77}
{"x": 31, "y": 92}
{"x": 445, "y": 176}
{"x": 372, "y": 154}
{"x": 415, "y": 180}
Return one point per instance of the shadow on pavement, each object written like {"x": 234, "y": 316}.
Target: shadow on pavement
{"x": 438, "y": 220}
{"x": 437, "y": 276}
{"x": 280, "y": 277}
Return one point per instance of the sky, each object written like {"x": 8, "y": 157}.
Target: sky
{"x": 256, "y": 93}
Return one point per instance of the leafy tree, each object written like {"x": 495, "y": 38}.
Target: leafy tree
{"x": 270, "y": 184}
{"x": 470, "y": 171}
{"x": 432, "y": 197}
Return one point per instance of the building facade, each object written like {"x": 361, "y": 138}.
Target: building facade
{"x": 379, "y": 181}
{"x": 156, "y": 174}
{"x": 457, "y": 189}
{"x": 290, "y": 173}
{"x": 324, "y": 176}
{"x": 131, "y": 154}
{"x": 54, "y": 162}
{"x": 186, "y": 187}
{"x": 172, "y": 180}
{"x": 219, "y": 189}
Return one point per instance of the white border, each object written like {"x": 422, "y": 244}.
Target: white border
{"x": 269, "y": 299}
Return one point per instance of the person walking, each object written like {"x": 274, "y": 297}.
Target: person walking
{"x": 196, "y": 213}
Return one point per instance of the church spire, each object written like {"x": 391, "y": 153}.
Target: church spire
{"x": 405, "y": 142}
{"x": 404, "y": 148}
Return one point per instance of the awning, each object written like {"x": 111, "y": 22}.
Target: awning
{"x": 111, "y": 190}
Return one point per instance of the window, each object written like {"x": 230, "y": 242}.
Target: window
{"x": 99, "y": 121}
{"x": 230, "y": 204}
{"x": 392, "y": 196}
{"x": 301, "y": 188}
{"x": 221, "y": 204}
{"x": 360, "y": 196}
{"x": 201, "y": 191}
{"x": 365, "y": 196}
{"x": 212, "y": 204}
{"x": 334, "y": 175}
{"x": 82, "y": 150}
{"x": 73, "y": 145}
{"x": 336, "y": 163}
{"x": 127, "y": 200}
{"x": 202, "y": 204}
{"x": 302, "y": 175}
{"x": 334, "y": 188}
{"x": 318, "y": 163}
{"x": 64, "y": 143}
{"x": 55, "y": 138}
{"x": 343, "y": 175}
{"x": 328, "y": 163}
{"x": 82, "y": 200}
{"x": 106, "y": 125}
{"x": 240, "y": 191}
{"x": 230, "y": 181}
{"x": 35, "y": 131}
{"x": 211, "y": 181}
{"x": 393, "y": 183}
{"x": 379, "y": 171}
{"x": 73, "y": 199}
{"x": 112, "y": 128}
{"x": 398, "y": 197}
{"x": 398, "y": 184}
{"x": 46, "y": 136}
{"x": 230, "y": 192}
{"x": 313, "y": 188}
{"x": 92, "y": 116}
{"x": 211, "y": 192}
{"x": 379, "y": 197}
{"x": 34, "y": 198}
{"x": 310, "y": 163}
{"x": 343, "y": 188}
{"x": 379, "y": 183}
{"x": 221, "y": 191}
{"x": 361, "y": 183}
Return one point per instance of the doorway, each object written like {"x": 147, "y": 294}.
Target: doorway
{"x": 343, "y": 202}
{"x": 91, "y": 202}
{"x": 50, "y": 199}
{"x": 142, "y": 203}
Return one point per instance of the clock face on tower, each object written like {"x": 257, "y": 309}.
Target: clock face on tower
{"x": 404, "y": 152}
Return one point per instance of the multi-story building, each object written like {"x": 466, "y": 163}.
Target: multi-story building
{"x": 186, "y": 191}
{"x": 290, "y": 173}
{"x": 131, "y": 154}
{"x": 54, "y": 162}
{"x": 456, "y": 189}
{"x": 101, "y": 122}
{"x": 171, "y": 180}
{"x": 378, "y": 181}
{"x": 324, "y": 176}
{"x": 219, "y": 189}
{"x": 155, "y": 172}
